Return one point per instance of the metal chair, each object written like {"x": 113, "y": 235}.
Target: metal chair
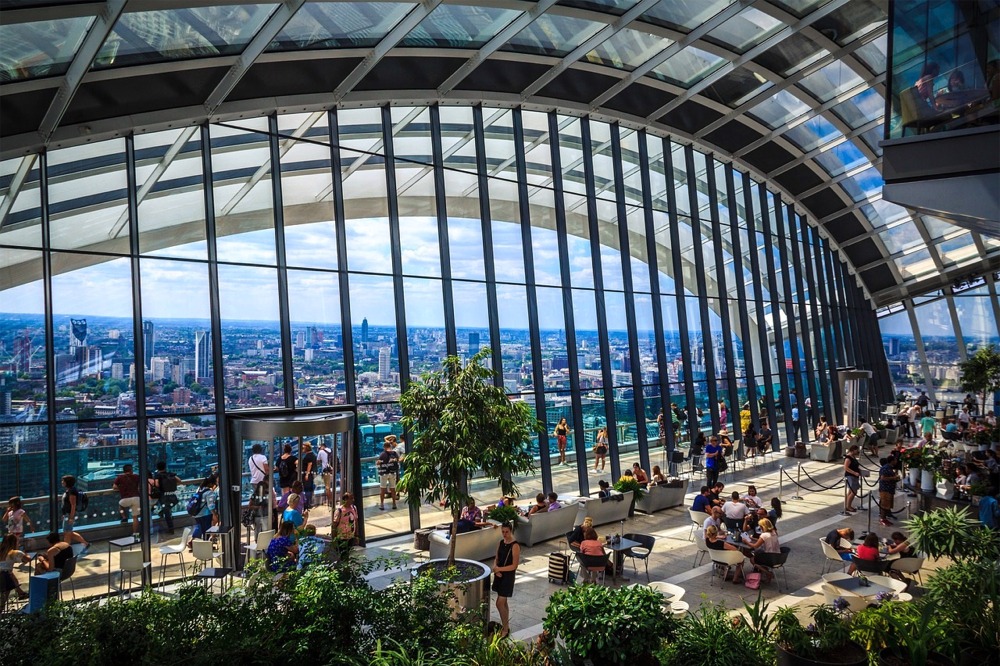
{"x": 569, "y": 536}
{"x": 725, "y": 560}
{"x": 771, "y": 562}
{"x": 733, "y": 524}
{"x": 703, "y": 550}
{"x": 177, "y": 547}
{"x": 66, "y": 573}
{"x": 677, "y": 461}
{"x": 130, "y": 563}
{"x": 870, "y": 566}
{"x": 831, "y": 555}
{"x": 593, "y": 565}
{"x": 641, "y": 552}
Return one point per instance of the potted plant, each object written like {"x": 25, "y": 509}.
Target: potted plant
{"x": 627, "y": 483}
{"x": 825, "y": 640}
{"x": 462, "y": 423}
{"x": 978, "y": 490}
{"x": 911, "y": 458}
{"x": 930, "y": 462}
{"x": 981, "y": 374}
{"x": 603, "y": 625}
{"x": 711, "y": 635}
{"x": 502, "y": 514}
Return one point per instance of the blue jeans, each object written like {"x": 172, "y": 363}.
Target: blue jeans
{"x": 201, "y": 526}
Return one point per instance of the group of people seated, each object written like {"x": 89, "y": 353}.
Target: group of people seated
{"x": 742, "y": 523}
{"x": 295, "y": 543}
{"x": 872, "y": 549}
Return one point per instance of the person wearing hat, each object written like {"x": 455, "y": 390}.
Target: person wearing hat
{"x": 388, "y": 471}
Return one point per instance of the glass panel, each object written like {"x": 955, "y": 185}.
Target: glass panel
{"x": 830, "y": 81}
{"x": 940, "y": 345}
{"x": 93, "y": 456}
{"x": 552, "y": 327}
{"x": 793, "y": 53}
{"x": 251, "y": 337}
{"x": 40, "y": 48}
{"x": 244, "y": 199}
{"x": 812, "y": 133}
{"x": 171, "y": 213}
{"x": 916, "y": 264}
{"x": 627, "y": 49}
{"x": 317, "y": 340}
{"x": 87, "y": 204}
{"x": 621, "y": 361}
{"x": 979, "y": 327}
{"x": 376, "y": 360}
{"x": 958, "y": 250}
{"x": 22, "y": 338}
{"x": 515, "y": 347}
{"x": 841, "y": 157}
{"x": 688, "y": 67}
{"x": 310, "y": 230}
{"x": 684, "y": 15}
{"x": 24, "y": 473}
{"x": 779, "y": 109}
{"x": 588, "y": 343}
{"x": 92, "y": 324}
{"x": 864, "y": 185}
{"x": 457, "y": 26}
{"x": 736, "y": 87}
{"x": 553, "y": 35}
{"x": 419, "y": 246}
{"x": 861, "y": 109}
{"x": 901, "y": 352}
{"x": 614, "y": 7}
{"x": 23, "y": 222}
{"x": 745, "y": 30}
{"x": 424, "y": 324}
{"x": 177, "y": 337}
{"x": 472, "y": 317}
{"x": 545, "y": 251}
{"x": 179, "y": 34}
{"x": 325, "y": 25}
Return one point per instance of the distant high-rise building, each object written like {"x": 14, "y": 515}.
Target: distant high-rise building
{"x": 6, "y": 380}
{"x": 159, "y": 368}
{"x": 473, "y": 342}
{"x": 300, "y": 339}
{"x": 364, "y": 330}
{"x": 314, "y": 337}
{"x": 22, "y": 352}
{"x": 202, "y": 355}
{"x": 383, "y": 363}
{"x": 148, "y": 343}
{"x": 77, "y": 334}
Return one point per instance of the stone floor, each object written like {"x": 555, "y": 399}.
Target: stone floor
{"x": 805, "y": 520}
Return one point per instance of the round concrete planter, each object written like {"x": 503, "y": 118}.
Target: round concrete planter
{"x": 468, "y": 589}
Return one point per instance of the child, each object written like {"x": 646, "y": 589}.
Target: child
{"x": 15, "y": 517}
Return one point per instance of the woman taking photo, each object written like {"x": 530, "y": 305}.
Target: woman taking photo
{"x": 600, "y": 448}
{"x": 852, "y": 476}
{"x": 562, "y": 433}
{"x": 507, "y": 558}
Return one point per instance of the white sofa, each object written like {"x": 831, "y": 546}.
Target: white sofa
{"x": 608, "y": 510}
{"x": 544, "y": 526}
{"x": 658, "y": 498}
{"x": 478, "y": 544}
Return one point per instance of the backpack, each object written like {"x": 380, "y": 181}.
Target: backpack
{"x": 168, "y": 482}
{"x": 195, "y": 504}
{"x": 284, "y": 467}
{"x": 82, "y": 501}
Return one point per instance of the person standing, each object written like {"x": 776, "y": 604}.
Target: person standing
{"x": 505, "y": 565}
{"x": 928, "y": 424}
{"x": 127, "y": 484}
{"x": 308, "y": 475}
{"x": 208, "y": 514}
{"x": 914, "y": 417}
{"x": 712, "y": 453}
{"x": 388, "y": 472}
{"x": 345, "y": 524}
{"x": 923, "y": 400}
{"x": 260, "y": 479}
{"x": 562, "y": 435}
{"x": 16, "y": 517}
{"x": 887, "y": 479}
{"x": 600, "y": 448}
{"x": 70, "y": 505}
{"x": 852, "y": 477}
{"x": 326, "y": 470}
{"x": 288, "y": 468}
{"x": 167, "y": 484}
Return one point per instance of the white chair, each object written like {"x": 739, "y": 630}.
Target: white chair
{"x": 697, "y": 520}
{"x": 703, "y": 550}
{"x": 130, "y": 563}
{"x": 259, "y": 548}
{"x": 831, "y": 555}
{"x": 908, "y": 567}
{"x": 175, "y": 547}
{"x": 725, "y": 560}
{"x": 669, "y": 591}
{"x": 203, "y": 552}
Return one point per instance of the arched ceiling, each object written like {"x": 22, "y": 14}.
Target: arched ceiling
{"x": 792, "y": 90}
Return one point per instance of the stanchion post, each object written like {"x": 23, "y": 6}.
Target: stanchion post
{"x": 798, "y": 482}
{"x": 781, "y": 469}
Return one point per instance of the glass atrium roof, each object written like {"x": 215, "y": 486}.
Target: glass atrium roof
{"x": 792, "y": 90}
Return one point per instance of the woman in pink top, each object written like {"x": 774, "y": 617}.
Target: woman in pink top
{"x": 591, "y": 545}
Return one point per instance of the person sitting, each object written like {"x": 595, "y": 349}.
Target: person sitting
{"x": 715, "y": 541}
{"x": 698, "y": 446}
{"x": 591, "y": 545}
{"x": 311, "y": 547}
{"x": 749, "y": 441}
{"x": 575, "y": 537}
{"x": 657, "y": 477}
{"x": 554, "y": 504}
{"x": 823, "y": 430}
{"x": 703, "y": 502}
{"x": 9, "y": 556}
{"x": 765, "y": 543}
{"x": 283, "y": 551}
{"x": 540, "y": 505}
{"x": 716, "y": 519}
{"x": 55, "y": 557}
{"x": 725, "y": 441}
{"x": 735, "y": 509}
{"x": 292, "y": 514}
{"x": 868, "y": 550}
{"x": 716, "y": 494}
{"x": 471, "y": 517}
{"x": 605, "y": 489}
{"x": 834, "y": 538}
{"x": 775, "y": 513}
{"x": 640, "y": 475}
{"x": 764, "y": 438}
{"x": 751, "y": 499}
{"x": 752, "y": 520}
{"x": 900, "y": 545}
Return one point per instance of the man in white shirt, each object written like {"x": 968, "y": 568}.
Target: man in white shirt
{"x": 323, "y": 461}
{"x": 259, "y": 468}
{"x": 714, "y": 519}
{"x": 964, "y": 418}
{"x": 914, "y": 417}
{"x": 735, "y": 509}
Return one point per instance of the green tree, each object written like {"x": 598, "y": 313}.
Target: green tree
{"x": 461, "y": 423}
{"x": 981, "y": 373}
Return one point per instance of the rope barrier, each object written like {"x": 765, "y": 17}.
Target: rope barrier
{"x": 836, "y": 485}
{"x": 822, "y": 488}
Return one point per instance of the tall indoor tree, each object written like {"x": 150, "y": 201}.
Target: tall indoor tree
{"x": 462, "y": 423}
{"x": 981, "y": 373}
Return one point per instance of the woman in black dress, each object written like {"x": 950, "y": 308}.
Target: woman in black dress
{"x": 507, "y": 559}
